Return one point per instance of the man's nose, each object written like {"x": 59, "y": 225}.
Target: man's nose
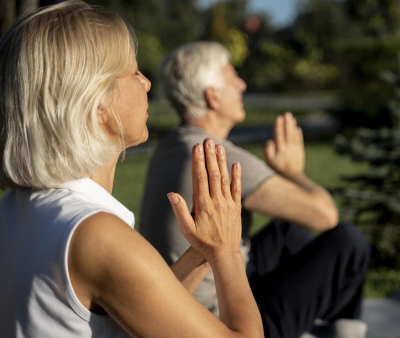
{"x": 242, "y": 85}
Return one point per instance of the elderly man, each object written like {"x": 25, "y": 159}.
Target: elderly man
{"x": 295, "y": 279}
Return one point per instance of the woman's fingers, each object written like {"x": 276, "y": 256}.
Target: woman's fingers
{"x": 184, "y": 218}
{"x": 290, "y": 128}
{"x": 199, "y": 173}
{"x": 279, "y": 132}
{"x": 214, "y": 180}
{"x": 236, "y": 185}
{"x": 300, "y": 137}
{"x": 194, "y": 149}
{"x": 214, "y": 174}
{"x": 270, "y": 151}
{"x": 225, "y": 181}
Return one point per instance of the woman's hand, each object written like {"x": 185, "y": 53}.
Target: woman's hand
{"x": 215, "y": 222}
{"x": 285, "y": 153}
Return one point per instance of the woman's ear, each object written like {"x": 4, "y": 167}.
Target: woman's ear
{"x": 212, "y": 97}
{"x": 102, "y": 116}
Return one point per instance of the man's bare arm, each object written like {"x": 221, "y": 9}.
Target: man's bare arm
{"x": 290, "y": 194}
{"x": 278, "y": 197}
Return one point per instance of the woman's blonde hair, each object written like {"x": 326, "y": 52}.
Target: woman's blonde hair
{"x": 57, "y": 68}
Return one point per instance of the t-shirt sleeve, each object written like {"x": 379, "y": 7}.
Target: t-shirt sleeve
{"x": 254, "y": 170}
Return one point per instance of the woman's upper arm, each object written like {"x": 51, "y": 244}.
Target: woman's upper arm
{"x": 112, "y": 266}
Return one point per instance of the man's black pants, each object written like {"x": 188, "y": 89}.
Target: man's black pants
{"x": 298, "y": 279}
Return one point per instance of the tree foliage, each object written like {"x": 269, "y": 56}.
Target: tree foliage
{"x": 373, "y": 202}
{"x": 300, "y": 56}
{"x": 224, "y": 31}
{"x": 340, "y": 45}
{"x": 360, "y": 38}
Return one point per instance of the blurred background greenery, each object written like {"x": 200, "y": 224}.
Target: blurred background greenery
{"x": 344, "y": 51}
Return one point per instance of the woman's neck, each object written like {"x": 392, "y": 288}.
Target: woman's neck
{"x": 104, "y": 176}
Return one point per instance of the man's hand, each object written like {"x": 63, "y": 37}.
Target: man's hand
{"x": 285, "y": 153}
{"x": 291, "y": 195}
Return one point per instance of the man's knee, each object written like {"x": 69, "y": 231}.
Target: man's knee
{"x": 347, "y": 238}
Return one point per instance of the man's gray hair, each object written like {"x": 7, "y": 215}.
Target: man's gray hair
{"x": 188, "y": 71}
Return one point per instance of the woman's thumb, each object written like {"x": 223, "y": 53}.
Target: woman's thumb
{"x": 182, "y": 214}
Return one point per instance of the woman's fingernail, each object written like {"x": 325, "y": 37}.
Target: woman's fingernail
{"x": 220, "y": 150}
{"x": 211, "y": 144}
{"x": 238, "y": 167}
{"x": 173, "y": 198}
{"x": 200, "y": 149}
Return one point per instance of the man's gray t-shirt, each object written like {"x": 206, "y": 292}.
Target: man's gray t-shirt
{"x": 170, "y": 171}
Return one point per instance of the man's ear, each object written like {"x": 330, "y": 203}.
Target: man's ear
{"x": 212, "y": 97}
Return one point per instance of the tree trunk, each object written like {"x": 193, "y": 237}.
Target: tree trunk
{"x": 7, "y": 14}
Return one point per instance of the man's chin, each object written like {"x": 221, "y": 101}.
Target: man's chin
{"x": 241, "y": 117}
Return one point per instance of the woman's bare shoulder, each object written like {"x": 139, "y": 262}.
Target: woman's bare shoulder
{"x": 104, "y": 244}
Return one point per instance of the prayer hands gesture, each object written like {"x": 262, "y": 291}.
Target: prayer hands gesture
{"x": 285, "y": 153}
{"x": 215, "y": 222}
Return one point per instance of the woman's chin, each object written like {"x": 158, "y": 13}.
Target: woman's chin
{"x": 142, "y": 139}
{"x": 145, "y": 135}
{"x": 146, "y": 138}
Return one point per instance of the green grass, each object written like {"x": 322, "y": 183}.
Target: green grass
{"x": 130, "y": 179}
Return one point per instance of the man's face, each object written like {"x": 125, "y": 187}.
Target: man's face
{"x": 231, "y": 100}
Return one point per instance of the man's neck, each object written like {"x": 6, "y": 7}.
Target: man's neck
{"x": 213, "y": 125}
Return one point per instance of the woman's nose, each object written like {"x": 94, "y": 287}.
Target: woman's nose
{"x": 146, "y": 83}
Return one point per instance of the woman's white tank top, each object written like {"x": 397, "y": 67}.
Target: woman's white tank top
{"x": 36, "y": 295}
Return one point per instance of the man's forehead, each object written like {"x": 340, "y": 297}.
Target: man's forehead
{"x": 228, "y": 69}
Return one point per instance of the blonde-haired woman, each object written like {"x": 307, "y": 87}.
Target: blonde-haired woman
{"x": 71, "y": 265}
